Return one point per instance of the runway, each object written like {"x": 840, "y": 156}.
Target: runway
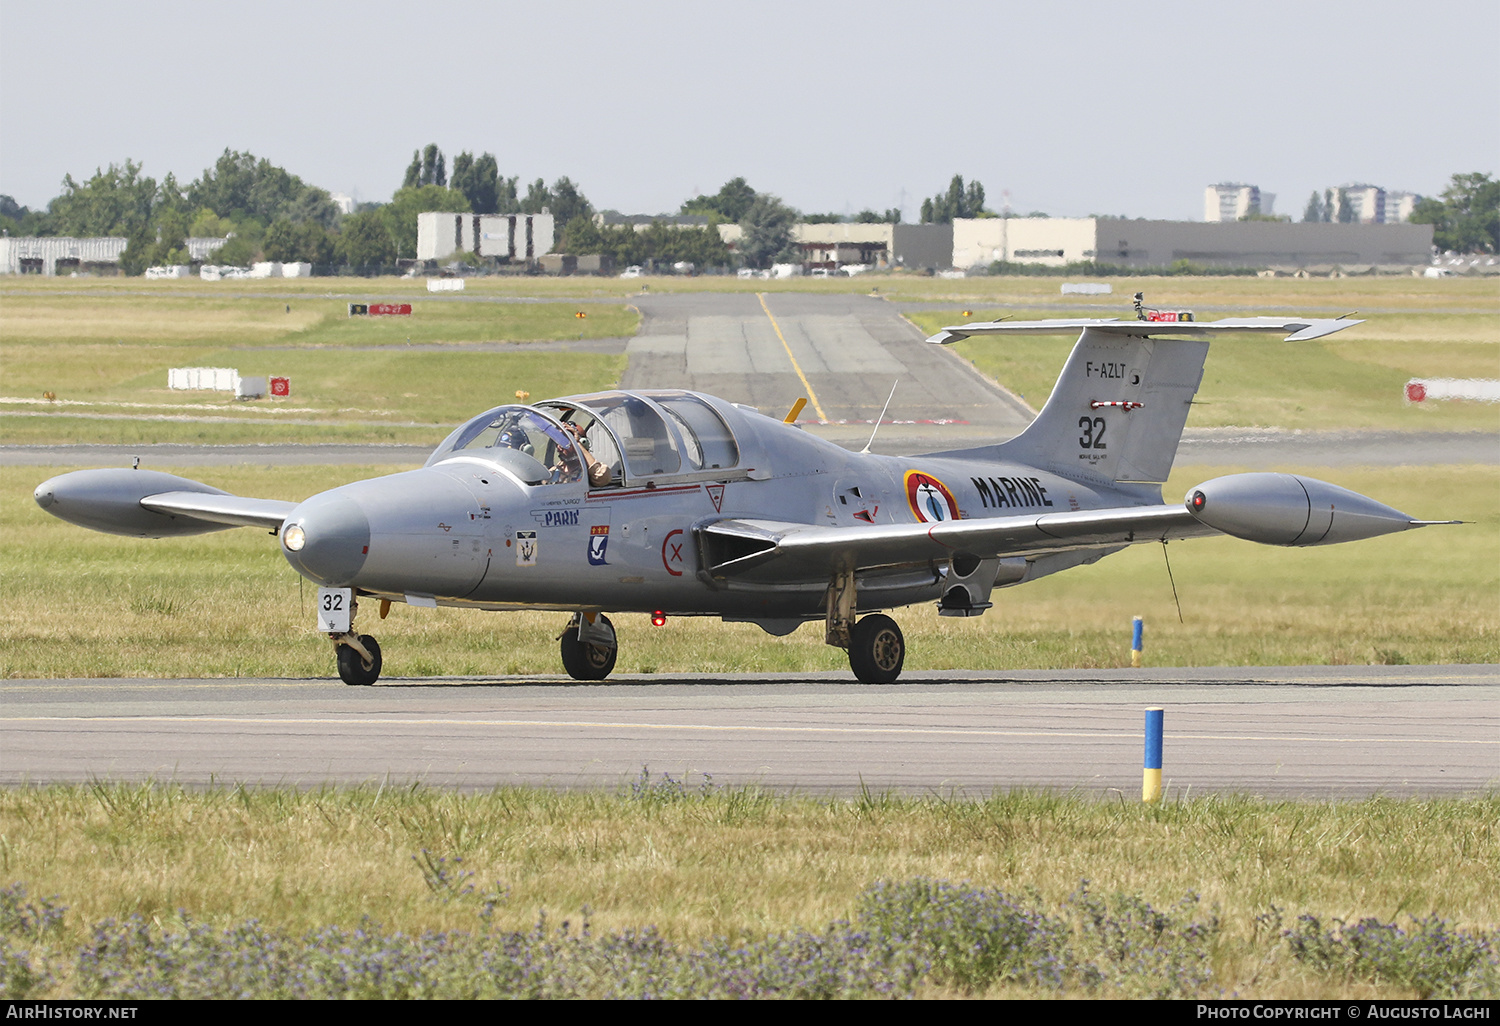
{"x": 842, "y": 352}
{"x": 1325, "y": 732}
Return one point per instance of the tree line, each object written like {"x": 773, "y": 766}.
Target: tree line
{"x": 267, "y": 213}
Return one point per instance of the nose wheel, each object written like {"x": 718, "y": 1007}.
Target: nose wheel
{"x": 359, "y": 666}
{"x": 588, "y": 647}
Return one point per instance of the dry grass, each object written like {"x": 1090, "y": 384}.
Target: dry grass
{"x": 740, "y": 863}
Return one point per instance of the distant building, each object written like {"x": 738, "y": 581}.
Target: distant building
{"x": 59, "y": 254}
{"x": 879, "y": 245}
{"x": 1051, "y": 241}
{"x": 505, "y": 237}
{"x": 344, "y": 203}
{"x": 1230, "y": 201}
{"x": 1368, "y": 202}
{"x": 201, "y": 248}
{"x": 1258, "y": 244}
{"x": 1373, "y": 205}
{"x": 640, "y": 222}
{"x": 1399, "y": 206}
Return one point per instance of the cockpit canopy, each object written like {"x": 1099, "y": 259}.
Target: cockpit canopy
{"x": 636, "y": 435}
{"x": 534, "y": 448}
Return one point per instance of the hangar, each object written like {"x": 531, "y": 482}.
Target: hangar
{"x": 53, "y": 254}
{"x": 505, "y": 237}
{"x": 1058, "y": 241}
{"x": 881, "y": 245}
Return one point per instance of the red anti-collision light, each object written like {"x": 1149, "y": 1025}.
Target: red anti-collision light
{"x": 1198, "y": 502}
{"x": 658, "y": 619}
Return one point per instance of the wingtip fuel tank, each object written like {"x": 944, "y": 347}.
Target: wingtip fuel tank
{"x": 1288, "y": 509}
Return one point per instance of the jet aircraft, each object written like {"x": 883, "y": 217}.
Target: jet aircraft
{"x": 677, "y": 503}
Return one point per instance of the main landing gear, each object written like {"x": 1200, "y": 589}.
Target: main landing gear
{"x": 876, "y": 646}
{"x": 877, "y": 650}
{"x": 589, "y": 646}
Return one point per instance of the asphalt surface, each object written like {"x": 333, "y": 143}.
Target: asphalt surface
{"x": 843, "y": 352}
{"x": 1329, "y": 732}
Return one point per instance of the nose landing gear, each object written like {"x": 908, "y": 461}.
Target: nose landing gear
{"x": 589, "y": 646}
{"x": 358, "y": 655}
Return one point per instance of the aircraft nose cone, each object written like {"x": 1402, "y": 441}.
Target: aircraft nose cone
{"x": 43, "y": 494}
{"x": 327, "y": 539}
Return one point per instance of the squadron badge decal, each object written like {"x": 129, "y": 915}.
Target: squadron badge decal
{"x": 930, "y": 500}
{"x": 598, "y": 542}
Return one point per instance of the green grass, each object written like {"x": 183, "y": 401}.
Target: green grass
{"x": 87, "y": 604}
{"x": 105, "y": 354}
{"x": 110, "y": 342}
{"x": 740, "y": 863}
{"x": 370, "y": 396}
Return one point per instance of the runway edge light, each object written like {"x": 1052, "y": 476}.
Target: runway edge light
{"x": 1151, "y": 771}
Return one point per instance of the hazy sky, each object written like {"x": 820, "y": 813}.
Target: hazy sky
{"x": 1071, "y": 108}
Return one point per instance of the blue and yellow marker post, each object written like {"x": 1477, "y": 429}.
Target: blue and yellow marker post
{"x": 1151, "y": 773}
{"x": 1137, "y": 635}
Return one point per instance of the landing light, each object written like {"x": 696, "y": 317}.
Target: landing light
{"x": 294, "y": 538}
{"x": 658, "y": 619}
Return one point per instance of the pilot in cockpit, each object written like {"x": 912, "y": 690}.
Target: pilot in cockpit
{"x": 599, "y": 474}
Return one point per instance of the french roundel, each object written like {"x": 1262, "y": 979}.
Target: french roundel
{"x": 929, "y": 498}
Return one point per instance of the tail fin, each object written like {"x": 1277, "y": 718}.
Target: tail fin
{"x": 1117, "y": 411}
{"x": 1121, "y": 402}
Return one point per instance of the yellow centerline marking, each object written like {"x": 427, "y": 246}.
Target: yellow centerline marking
{"x": 822, "y": 417}
{"x": 723, "y": 728}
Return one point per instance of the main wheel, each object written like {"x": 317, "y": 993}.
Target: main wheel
{"x": 352, "y": 666}
{"x": 584, "y": 661}
{"x": 877, "y": 650}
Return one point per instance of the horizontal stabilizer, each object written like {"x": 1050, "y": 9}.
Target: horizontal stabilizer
{"x": 1295, "y": 329}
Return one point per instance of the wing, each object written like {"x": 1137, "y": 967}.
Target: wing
{"x": 1296, "y": 329}
{"x": 763, "y": 551}
{"x": 229, "y": 510}
{"x": 151, "y": 504}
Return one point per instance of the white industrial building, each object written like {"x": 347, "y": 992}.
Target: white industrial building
{"x": 1057, "y": 241}
{"x": 502, "y": 236}
{"x": 60, "y": 254}
{"x": 879, "y": 245}
{"x": 201, "y": 248}
{"x": 1052, "y": 241}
